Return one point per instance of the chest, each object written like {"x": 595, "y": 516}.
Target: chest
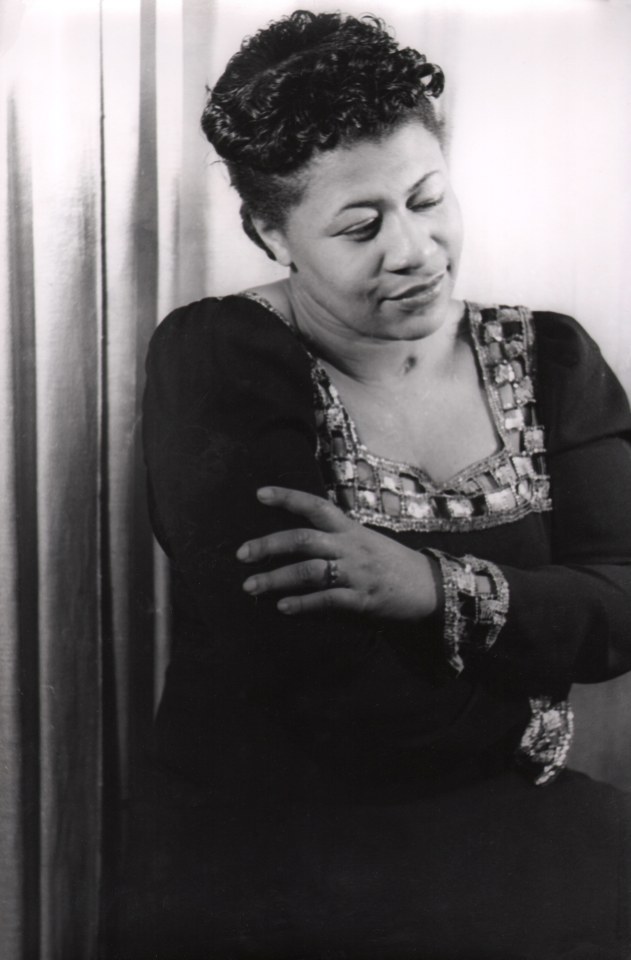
{"x": 467, "y": 456}
{"x": 441, "y": 426}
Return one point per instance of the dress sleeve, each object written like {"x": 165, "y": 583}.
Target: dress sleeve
{"x": 228, "y": 408}
{"x": 542, "y": 629}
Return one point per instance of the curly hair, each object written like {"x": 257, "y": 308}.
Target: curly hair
{"x": 304, "y": 84}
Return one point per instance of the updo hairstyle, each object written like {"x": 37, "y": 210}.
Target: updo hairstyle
{"x": 309, "y": 83}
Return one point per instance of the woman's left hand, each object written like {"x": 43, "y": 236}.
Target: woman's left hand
{"x": 348, "y": 566}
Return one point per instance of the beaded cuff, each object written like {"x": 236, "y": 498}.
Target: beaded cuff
{"x": 547, "y": 739}
{"x": 476, "y": 604}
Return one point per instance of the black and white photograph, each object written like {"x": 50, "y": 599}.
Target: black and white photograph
{"x": 315, "y": 446}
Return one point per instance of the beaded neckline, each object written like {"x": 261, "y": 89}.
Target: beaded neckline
{"x": 500, "y": 488}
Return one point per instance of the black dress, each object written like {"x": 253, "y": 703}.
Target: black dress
{"x": 335, "y": 787}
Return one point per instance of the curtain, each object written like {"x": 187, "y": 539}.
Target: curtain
{"x": 52, "y": 317}
{"x": 112, "y": 212}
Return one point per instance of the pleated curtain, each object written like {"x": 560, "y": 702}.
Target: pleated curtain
{"x": 112, "y": 212}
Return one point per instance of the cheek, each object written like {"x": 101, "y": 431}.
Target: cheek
{"x": 453, "y": 226}
{"x": 334, "y": 268}
{"x": 358, "y": 264}
{"x": 344, "y": 270}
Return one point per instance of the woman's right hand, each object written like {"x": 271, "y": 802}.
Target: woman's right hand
{"x": 346, "y": 566}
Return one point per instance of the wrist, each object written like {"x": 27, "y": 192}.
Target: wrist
{"x": 427, "y": 588}
{"x": 436, "y": 593}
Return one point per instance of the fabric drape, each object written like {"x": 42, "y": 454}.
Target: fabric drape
{"x": 112, "y": 212}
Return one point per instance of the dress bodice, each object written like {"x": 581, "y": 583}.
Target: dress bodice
{"x": 505, "y": 486}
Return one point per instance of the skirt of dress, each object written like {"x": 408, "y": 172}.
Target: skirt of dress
{"x": 500, "y": 870}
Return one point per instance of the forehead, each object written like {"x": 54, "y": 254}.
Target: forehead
{"x": 374, "y": 170}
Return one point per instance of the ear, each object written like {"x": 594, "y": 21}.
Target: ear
{"x": 275, "y": 239}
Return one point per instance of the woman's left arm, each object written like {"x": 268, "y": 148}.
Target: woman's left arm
{"x": 570, "y": 621}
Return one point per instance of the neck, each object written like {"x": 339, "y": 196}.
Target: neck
{"x": 372, "y": 360}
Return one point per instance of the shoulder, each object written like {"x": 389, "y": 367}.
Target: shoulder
{"x": 228, "y": 336}
{"x": 230, "y": 318}
{"x": 226, "y": 359}
{"x": 580, "y": 396}
{"x": 560, "y": 339}
{"x": 554, "y": 336}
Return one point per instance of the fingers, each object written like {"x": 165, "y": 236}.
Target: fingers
{"x": 306, "y": 543}
{"x": 339, "y": 599}
{"x": 323, "y": 514}
{"x": 308, "y": 575}
{"x": 317, "y": 584}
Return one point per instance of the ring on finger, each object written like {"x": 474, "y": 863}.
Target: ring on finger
{"x": 331, "y": 574}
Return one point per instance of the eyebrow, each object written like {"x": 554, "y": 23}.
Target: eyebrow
{"x": 368, "y": 202}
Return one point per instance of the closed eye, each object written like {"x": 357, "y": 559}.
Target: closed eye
{"x": 363, "y": 231}
{"x": 427, "y": 203}
{"x": 368, "y": 229}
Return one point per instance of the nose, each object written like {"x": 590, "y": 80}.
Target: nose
{"x": 408, "y": 243}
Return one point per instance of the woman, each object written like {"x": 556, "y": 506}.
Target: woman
{"x": 399, "y": 532}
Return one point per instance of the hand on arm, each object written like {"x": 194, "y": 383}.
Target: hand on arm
{"x": 375, "y": 575}
{"x": 228, "y": 410}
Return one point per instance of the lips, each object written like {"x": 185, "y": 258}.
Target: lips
{"x": 418, "y": 289}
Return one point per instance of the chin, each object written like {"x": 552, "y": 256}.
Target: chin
{"x": 414, "y": 318}
{"x": 414, "y": 325}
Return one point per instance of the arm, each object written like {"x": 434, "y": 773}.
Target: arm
{"x": 228, "y": 409}
{"x": 531, "y": 630}
{"x": 570, "y": 620}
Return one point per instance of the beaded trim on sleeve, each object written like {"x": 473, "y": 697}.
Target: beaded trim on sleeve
{"x": 547, "y": 739}
{"x": 476, "y": 600}
{"x": 475, "y": 604}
